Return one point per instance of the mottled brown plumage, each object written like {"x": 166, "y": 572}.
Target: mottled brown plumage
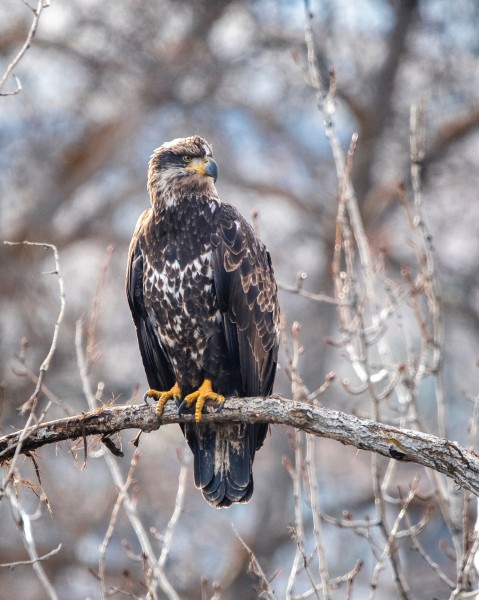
{"x": 204, "y": 301}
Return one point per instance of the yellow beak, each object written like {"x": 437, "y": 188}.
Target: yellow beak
{"x": 203, "y": 166}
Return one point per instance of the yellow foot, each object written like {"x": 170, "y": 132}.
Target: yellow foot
{"x": 203, "y": 393}
{"x": 163, "y": 397}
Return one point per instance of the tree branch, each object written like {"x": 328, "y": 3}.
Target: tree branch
{"x": 26, "y": 45}
{"x": 439, "y": 454}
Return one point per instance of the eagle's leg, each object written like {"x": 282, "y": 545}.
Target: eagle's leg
{"x": 163, "y": 397}
{"x": 203, "y": 393}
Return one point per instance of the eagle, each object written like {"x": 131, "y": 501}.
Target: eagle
{"x": 202, "y": 293}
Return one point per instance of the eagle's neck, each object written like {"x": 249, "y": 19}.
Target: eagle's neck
{"x": 175, "y": 197}
{"x": 183, "y": 213}
{"x": 179, "y": 192}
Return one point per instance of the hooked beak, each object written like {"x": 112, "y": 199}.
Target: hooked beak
{"x": 204, "y": 166}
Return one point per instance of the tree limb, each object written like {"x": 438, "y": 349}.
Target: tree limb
{"x": 442, "y": 455}
{"x": 26, "y": 45}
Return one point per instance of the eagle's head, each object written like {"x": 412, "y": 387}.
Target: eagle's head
{"x": 181, "y": 167}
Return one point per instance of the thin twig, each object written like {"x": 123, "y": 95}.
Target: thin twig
{"x": 390, "y": 549}
{"x": 95, "y": 311}
{"x": 180, "y": 496}
{"x": 170, "y": 528}
{"x": 420, "y": 548}
{"x": 310, "y": 295}
{"x": 30, "y": 562}
{"x": 128, "y": 504}
{"x": 122, "y": 492}
{"x": 255, "y": 568}
{"x": 300, "y": 392}
{"x": 426, "y": 260}
{"x": 33, "y": 29}
{"x": 23, "y": 522}
{"x": 467, "y": 569}
{"x": 30, "y": 404}
{"x": 333, "y": 583}
{"x": 46, "y": 363}
{"x": 46, "y": 391}
{"x": 298, "y": 532}
{"x": 310, "y": 464}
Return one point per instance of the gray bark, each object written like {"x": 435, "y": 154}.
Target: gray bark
{"x": 442, "y": 455}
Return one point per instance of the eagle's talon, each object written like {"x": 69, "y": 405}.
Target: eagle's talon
{"x": 145, "y": 398}
{"x": 183, "y": 407}
{"x": 163, "y": 397}
{"x": 200, "y": 396}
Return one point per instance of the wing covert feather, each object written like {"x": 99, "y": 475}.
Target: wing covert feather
{"x": 247, "y": 297}
{"x": 157, "y": 366}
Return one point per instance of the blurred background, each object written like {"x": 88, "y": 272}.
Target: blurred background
{"x": 104, "y": 83}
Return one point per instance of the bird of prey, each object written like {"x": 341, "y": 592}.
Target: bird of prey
{"x": 202, "y": 293}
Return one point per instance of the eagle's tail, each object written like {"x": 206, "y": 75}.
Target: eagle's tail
{"x": 223, "y": 459}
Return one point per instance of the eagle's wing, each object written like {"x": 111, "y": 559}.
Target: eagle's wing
{"x": 155, "y": 361}
{"x": 247, "y": 297}
{"x": 246, "y": 293}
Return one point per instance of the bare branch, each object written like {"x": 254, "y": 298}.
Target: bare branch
{"x": 46, "y": 556}
{"x": 390, "y": 550}
{"x": 335, "y": 583}
{"x": 295, "y": 473}
{"x": 154, "y": 572}
{"x": 33, "y": 29}
{"x": 255, "y": 568}
{"x": 30, "y": 404}
{"x": 168, "y": 537}
{"x": 439, "y": 454}
{"x": 24, "y": 525}
{"x": 46, "y": 363}
{"x": 310, "y": 463}
{"x": 295, "y": 289}
{"x": 122, "y": 493}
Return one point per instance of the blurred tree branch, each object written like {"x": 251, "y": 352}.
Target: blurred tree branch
{"x": 439, "y": 454}
{"x": 26, "y": 45}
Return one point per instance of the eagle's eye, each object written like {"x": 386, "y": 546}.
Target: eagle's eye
{"x": 186, "y": 159}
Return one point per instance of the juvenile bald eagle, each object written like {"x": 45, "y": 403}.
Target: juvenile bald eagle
{"x": 203, "y": 296}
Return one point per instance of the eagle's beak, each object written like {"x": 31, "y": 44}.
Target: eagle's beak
{"x": 204, "y": 166}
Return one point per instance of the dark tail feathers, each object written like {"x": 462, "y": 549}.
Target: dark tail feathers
{"x": 223, "y": 459}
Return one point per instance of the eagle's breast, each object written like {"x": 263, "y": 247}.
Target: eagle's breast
{"x": 178, "y": 283}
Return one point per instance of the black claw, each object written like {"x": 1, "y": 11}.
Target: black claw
{"x": 145, "y": 399}
{"x": 182, "y": 407}
{"x": 220, "y": 406}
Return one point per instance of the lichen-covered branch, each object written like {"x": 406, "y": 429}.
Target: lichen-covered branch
{"x": 442, "y": 455}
